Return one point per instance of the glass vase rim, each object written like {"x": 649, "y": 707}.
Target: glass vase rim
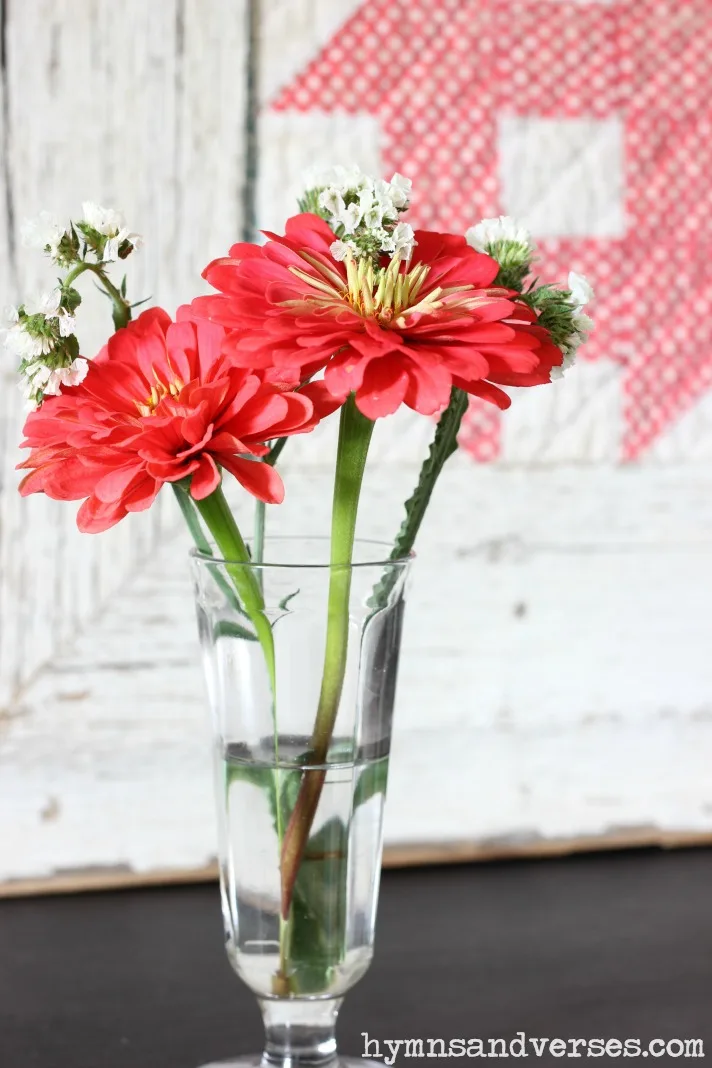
{"x": 379, "y": 560}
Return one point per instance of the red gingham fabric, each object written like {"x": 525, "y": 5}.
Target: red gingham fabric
{"x": 438, "y": 73}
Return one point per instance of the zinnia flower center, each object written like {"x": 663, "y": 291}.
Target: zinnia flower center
{"x": 386, "y": 294}
{"x": 158, "y": 392}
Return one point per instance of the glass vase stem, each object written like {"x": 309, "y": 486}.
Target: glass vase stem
{"x": 355, "y": 432}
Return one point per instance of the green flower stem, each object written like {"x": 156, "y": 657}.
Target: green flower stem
{"x": 121, "y": 311}
{"x": 354, "y": 438}
{"x": 258, "y": 537}
{"x": 188, "y": 508}
{"x": 442, "y": 448}
{"x": 219, "y": 520}
{"x": 275, "y": 452}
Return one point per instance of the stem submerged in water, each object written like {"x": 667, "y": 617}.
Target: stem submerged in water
{"x": 219, "y": 520}
{"x": 354, "y": 438}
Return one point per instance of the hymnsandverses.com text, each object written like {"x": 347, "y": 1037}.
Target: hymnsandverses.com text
{"x": 389, "y": 1050}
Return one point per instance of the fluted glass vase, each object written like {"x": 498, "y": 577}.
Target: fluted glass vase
{"x": 302, "y": 694}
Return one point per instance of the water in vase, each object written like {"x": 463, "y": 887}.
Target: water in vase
{"x": 325, "y": 945}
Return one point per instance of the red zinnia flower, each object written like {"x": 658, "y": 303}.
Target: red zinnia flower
{"x": 404, "y": 334}
{"x": 160, "y": 403}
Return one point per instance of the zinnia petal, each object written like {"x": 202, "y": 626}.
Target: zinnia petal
{"x": 258, "y": 478}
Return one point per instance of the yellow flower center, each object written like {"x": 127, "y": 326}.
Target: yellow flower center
{"x": 386, "y": 294}
{"x": 159, "y": 391}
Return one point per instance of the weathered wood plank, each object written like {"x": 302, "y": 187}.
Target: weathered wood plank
{"x": 569, "y": 670}
{"x": 119, "y": 110}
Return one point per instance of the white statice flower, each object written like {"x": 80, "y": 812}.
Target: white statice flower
{"x": 341, "y": 250}
{"x": 582, "y": 326}
{"x": 43, "y": 232}
{"x": 581, "y": 290}
{"x": 403, "y": 237}
{"x": 112, "y": 225}
{"x": 331, "y": 201}
{"x": 341, "y": 179}
{"x": 24, "y": 345}
{"x": 400, "y": 190}
{"x": 75, "y": 373}
{"x": 66, "y": 376}
{"x": 37, "y": 374}
{"x": 490, "y": 233}
{"x": 67, "y": 324}
{"x": 38, "y": 379}
{"x": 46, "y": 304}
{"x": 112, "y": 245}
{"x": 568, "y": 361}
{"x": 350, "y": 218}
{"x": 106, "y": 221}
{"x": 340, "y": 214}
{"x": 10, "y": 315}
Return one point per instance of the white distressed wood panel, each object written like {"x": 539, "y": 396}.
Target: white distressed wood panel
{"x": 545, "y": 691}
{"x": 117, "y": 110}
{"x": 558, "y": 601}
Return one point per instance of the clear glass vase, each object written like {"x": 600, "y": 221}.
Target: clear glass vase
{"x": 301, "y": 660}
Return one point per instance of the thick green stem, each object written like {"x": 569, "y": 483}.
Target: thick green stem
{"x": 190, "y": 513}
{"x": 219, "y": 520}
{"x": 354, "y": 438}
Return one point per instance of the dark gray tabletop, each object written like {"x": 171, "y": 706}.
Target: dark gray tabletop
{"x": 607, "y": 946}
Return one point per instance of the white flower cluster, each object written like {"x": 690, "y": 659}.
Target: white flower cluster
{"x": 494, "y": 235}
{"x": 363, "y": 211}
{"x": 62, "y": 244}
{"x": 112, "y": 225}
{"x": 43, "y": 233}
{"x": 581, "y": 292}
{"x": 32, "y": 335}
{"x": 41, "y": 380}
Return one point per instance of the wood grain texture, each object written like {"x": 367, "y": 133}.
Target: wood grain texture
{"x": 548, "y": 615}
{"x": 556, "y": 685}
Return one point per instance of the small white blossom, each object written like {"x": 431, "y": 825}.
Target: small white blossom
{"x": 341, "y": 179}
{"x": 111, "y": 247}
{"x": 75, "y": 373}
{"x": 490, "y": 232}
{"x": 112, "y": 225}
{"x": 23, "y": 345}
{"x": 400, "y": 189}
{"x": 113, "y": 244}
{"x": 581, "y": 290}
{"x": 355, "y": 203}
{"x": 43, "y": 232}
{"x": 349, "y": 218}
{"x": 38, "y": 374}
{"x": 558, "y": 372}
{"x": 67, "y": 324}
{"x": 331, "y": 201}
{"x": 340, "y": 250}
{"x": 404, "y": 240}
{"x": 582, "y": 326}
{"x": 10, "y": 315}
{"x": 106, "y": 221}
{"x": 46, "y": 304}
